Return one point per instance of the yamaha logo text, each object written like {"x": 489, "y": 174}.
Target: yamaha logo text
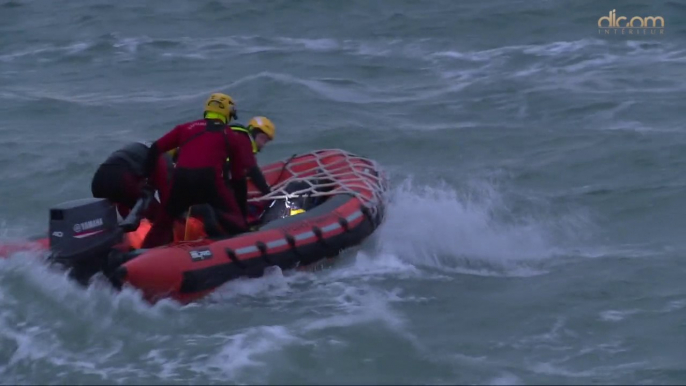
{"x": 84, "y": 226}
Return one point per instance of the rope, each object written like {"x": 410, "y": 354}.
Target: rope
{"x": 283, "y": 169}
{"x": 347, "y": 173}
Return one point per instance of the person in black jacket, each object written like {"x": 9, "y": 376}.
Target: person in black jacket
{"x": 121, "y": 180}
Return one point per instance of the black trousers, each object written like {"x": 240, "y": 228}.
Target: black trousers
{"x": 195, "y": 187}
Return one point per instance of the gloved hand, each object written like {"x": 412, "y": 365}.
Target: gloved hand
{"x": 255, "y": 210}
{"x": 148, "y": 189}
{"x": 256, "y": 206}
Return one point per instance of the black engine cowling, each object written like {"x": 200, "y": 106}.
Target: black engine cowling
{"x": 82, "y": 233}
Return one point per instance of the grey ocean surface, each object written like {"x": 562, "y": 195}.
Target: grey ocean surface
{"x": 536, "y": 230}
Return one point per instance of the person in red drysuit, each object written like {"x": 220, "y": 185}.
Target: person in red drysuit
{"x": 203, "y": 147}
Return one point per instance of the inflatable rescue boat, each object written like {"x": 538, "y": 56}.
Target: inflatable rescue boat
{"x": 321, "y": 203}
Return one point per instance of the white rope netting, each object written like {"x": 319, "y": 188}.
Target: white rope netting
{"x": 330, "y": 172}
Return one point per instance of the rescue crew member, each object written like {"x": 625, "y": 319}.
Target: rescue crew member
{"x": 121, "y": 179}
{"x": 259, "y": 132}
{"x": 204, "y": 145}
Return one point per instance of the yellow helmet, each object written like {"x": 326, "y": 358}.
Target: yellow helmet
{"x": 221, "y": 104}
{"x": 264, "y": 125}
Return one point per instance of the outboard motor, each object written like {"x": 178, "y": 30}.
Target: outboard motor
{"x": 82, "y": 232}
{"x": 282, "y": 208}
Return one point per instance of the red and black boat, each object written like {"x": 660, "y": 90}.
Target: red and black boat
{"x": 322, "y": 203}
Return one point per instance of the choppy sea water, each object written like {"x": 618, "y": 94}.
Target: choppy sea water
{"x": 537, "y": 206}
